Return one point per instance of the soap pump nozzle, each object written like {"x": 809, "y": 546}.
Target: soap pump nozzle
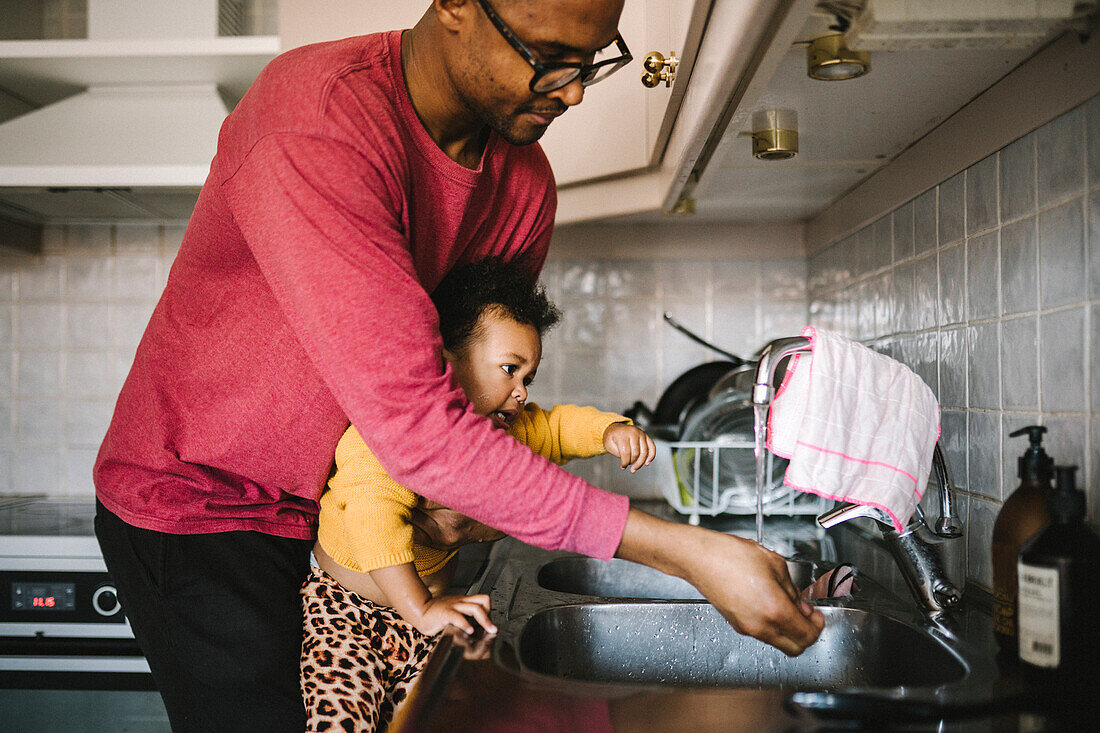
{"x": 1035, "y": 464}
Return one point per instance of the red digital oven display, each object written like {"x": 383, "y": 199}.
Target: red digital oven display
{"x": 43, "y": 596}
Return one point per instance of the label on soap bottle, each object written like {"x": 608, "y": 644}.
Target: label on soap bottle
{"x": 1039, "y": 615}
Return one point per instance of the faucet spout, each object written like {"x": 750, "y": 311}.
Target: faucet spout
{"x": 770, "y": 356}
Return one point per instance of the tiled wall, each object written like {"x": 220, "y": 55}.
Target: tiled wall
{"x": 71, "y": 318}
{"x": 988, "y": 286}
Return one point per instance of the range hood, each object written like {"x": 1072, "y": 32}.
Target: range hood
{"x": 136, "y": 142}
{"x": 146, "y": 149}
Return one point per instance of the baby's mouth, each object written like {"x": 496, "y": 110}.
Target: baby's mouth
{"x": 503, "y": 418}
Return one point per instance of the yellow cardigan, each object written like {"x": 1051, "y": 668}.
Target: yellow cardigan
{"x": 364, "y": 519}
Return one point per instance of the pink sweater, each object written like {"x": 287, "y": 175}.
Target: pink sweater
{"x": 299, "y": 302}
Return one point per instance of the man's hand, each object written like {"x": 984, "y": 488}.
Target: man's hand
{"x": 434, "y": 525}
{"x": 748, "y": 584}
{"x": 632, "y": 446}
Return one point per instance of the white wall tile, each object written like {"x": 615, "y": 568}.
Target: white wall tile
{"x": 38, "y": 374}
{"x": 88, "y": 375}
{"x": 40, "y": 279}
{"x": 1020, "y": 363}
{"x": 1020, "y": 266}
{"x": 1017, "y": 176}
{"x": 92, "y": 239}
{"x": 88, "y": 278}
{"x": 38, "y": 423}
{"x": 1061, "y": 156}
{"x": 76, "y": 471}
{"x": 86, "y": 422}
{"x": 979, "y": 540}
{"x": 983, "y": 276}
{"x": 135, "y": 278}
{"x": 135, "y": 239}
{"x": 37, "y": 471}
{"x": 128, "y": 322}
{"x": 981, "y": 196}
{"x": 984, "y": 454}
{"x": 1062, "y": 266}
{"x": 1062, "y": 360}
{"x": 86, "y": 326}
{"x": 38, "y": 325}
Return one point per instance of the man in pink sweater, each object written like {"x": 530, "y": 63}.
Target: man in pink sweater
{"x": 351, "y": 177}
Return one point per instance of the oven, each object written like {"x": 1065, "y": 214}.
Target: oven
{"x": 61, "y": 625}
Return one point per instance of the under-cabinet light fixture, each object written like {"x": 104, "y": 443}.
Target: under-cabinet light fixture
{"x": 828, "y": 59}
{"x": 775, "y": 134}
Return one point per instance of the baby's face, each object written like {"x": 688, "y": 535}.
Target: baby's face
{"x": 497, "y": 365}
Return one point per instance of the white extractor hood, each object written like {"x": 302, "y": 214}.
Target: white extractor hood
{"x": 137, "y": 142}
{"x": 115, "y": 136}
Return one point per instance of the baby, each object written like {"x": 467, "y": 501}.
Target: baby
{"x": 373, "y": 607}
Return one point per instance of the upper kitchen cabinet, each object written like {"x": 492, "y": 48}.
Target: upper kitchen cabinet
{"x": 50, "y": 49}
{"x": 311, "y": 21}
{"x": 118, "y": 103}
{"x": 622, "y": 124}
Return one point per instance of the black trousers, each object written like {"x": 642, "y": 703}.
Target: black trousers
{"x": 218, "y": 617}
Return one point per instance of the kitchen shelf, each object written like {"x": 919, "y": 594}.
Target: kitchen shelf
{"x": 42, "y": 71}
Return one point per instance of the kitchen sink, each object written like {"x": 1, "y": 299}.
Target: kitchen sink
{"x": 624, "y": 579}
{"x": 691, "y": 644}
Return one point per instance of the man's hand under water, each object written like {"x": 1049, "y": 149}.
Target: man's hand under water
{"x": 748, "y": 584}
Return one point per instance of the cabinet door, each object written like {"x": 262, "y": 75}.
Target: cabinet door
{"x": 312, "y": 21}
{"x": 617, "y": 129}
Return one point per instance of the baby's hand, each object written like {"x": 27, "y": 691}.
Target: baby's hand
{"x": 454, "y": 610}
{"x": 633, "y": 447}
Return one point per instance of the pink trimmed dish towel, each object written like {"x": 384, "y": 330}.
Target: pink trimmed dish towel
{"x": 856, "y": 425}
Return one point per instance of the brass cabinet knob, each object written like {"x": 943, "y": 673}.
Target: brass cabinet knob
{"x": 659, "y": 69}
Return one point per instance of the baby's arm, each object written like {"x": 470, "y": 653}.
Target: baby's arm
{"x": 408, "y": 595}
{"x": 571, "y": 431}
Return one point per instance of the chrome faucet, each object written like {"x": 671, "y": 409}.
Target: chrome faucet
{"x": 921, "y": 554}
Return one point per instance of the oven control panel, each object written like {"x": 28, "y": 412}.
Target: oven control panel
{"x": 67, "y": 597}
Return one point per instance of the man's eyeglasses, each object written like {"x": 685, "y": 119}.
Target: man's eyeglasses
{"x": 555, "y": 75}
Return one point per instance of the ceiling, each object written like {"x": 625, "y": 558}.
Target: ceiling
{"x": 846, "y": 129}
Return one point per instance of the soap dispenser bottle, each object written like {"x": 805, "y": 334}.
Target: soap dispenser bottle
{"x": 1024, "y": 513}
{"x": 1059, "y": 593}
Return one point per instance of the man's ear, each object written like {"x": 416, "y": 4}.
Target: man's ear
{"x": 448, "y": 355}
{"x": 452, "y": 14}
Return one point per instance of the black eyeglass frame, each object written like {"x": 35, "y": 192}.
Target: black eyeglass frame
{"x": 541, "y": 69}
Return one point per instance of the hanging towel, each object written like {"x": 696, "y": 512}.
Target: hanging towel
{"x": 856, "y": 425}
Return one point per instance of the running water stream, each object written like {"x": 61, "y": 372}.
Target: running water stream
{"x": 759, "y": 427}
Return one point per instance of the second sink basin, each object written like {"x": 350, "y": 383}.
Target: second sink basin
{"x": 691, "y": 644}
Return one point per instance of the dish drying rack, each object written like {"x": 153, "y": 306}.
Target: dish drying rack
{"x": 688, "y": 495}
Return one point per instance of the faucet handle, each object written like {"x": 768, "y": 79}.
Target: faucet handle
{"x": 845, "y": 511}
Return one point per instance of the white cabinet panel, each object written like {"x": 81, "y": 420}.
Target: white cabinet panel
{"x": 311, "y": 21}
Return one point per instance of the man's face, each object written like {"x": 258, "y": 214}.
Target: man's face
{"x": 492, "y": 79}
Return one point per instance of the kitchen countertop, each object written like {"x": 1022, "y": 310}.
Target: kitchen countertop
{"x": 492, "y": 693}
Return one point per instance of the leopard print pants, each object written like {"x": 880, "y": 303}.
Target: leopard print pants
{"x": 359, "y": 659}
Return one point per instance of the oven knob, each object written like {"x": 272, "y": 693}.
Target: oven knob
{"x": 105, "y": 600}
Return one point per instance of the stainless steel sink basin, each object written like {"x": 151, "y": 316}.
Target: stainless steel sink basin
{"x": 691, "y": 644}
{"x": 624, "y": 579}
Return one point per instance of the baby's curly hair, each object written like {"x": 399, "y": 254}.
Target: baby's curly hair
{"x": 493, "y": 283}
